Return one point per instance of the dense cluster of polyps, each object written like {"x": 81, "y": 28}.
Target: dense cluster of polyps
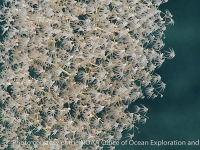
{"x": 70, "y": 69}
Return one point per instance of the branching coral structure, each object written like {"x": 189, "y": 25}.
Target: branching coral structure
{"x": 70, "y": 69}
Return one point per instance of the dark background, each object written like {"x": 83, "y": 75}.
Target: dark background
{"x": 176, "y": 116}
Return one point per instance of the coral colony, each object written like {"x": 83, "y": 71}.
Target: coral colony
{"x": 70, "y": 69}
